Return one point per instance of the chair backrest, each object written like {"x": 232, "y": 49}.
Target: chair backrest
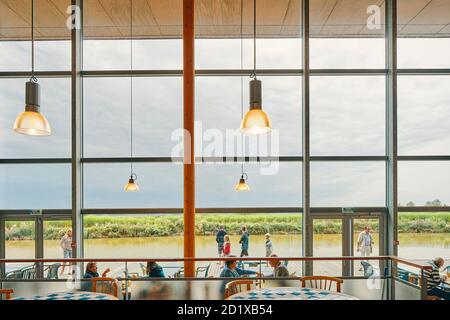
{"x": 237, "y": 286}
{"x": 105, "y": 285}
{"x": 16, "y": 274}
{"x": 29, "y": 273}
{"x": 52, "y": 271}
{"x": 321, "y": 282}
{"x": 143, "y": 268}
{"x": 368, "y": 269}
{"x": 7, "y": 293}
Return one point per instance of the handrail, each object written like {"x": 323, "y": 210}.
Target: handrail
{"x": 409, "y": 263}
{"x": 195, "y": 259}
{"x": 75, "y": 260}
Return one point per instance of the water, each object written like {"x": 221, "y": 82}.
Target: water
{"x": 412, "y": 246}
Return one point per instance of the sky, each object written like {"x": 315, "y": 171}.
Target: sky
{"x": 347, "y": 118}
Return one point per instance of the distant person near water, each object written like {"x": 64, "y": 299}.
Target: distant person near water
{"x": 66, "y": 246}
{"x": 244, "y": 242}
{"x": 365, "y": 242}
{"x": 227, "y": 246}
{"x": 220, "y": 239}
{"x": 269, "y": 245}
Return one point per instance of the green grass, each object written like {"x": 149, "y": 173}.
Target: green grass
{"x": 96, "y": 227}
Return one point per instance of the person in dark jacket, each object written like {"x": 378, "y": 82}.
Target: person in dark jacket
{"x": 91, "y": 272}
{"x": 244, "y": 242}
{"x": 220, "y": 239}
{"x": 154, "y": 270}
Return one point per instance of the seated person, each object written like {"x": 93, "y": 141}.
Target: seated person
{"x": 279, "y": 269}
{"x": 91, "y": 272}
{"x": 154, "y": 270}
{"x": 434, "y": 279}
{"x": 230, "y": 270}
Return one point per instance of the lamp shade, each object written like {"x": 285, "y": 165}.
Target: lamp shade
{"x": 31, "y": 121}
{"x": 131, "y": 186}
{"x": 242, "y": 185}
{"x": 255, "y": 120}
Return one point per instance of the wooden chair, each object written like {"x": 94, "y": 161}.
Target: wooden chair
{"x": 7, "y": 293}
{"x": 237, "y": 286}
{"x": 105, "y": 285}
{"x": 322, "y": 282}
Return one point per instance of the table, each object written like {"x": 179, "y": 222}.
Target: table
{"x": 290, "y": 293}
{"x": 77, "y": 295}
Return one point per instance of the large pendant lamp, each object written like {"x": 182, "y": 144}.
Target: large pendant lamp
{"x": 242, "y": 185}
{"x": 131, "y": 186}
{"x": 31, "y": 122}
{"x": 255, "y": 120}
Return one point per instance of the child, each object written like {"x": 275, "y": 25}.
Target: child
{"x": 227, "y": 246}
{"x": 269, "y": 246}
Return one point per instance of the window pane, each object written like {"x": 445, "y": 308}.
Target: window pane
{"x": 35, "y": 186}
{"x": 222, "y": 96}
{"x": 348, "y": 115}
{"x": 160, "y": 184}
{"x": 52, "y": 37}
{"x": 423, "y": 115}
{"x": 219, "y": 30}
{"x": 270, "y": 53}
{"x": 347, "y": 184}
{"x": 55, "y": 105}
{"x": 327, "y": 242}
{"x": 54, "y": 230}
{"x": 157, "y": 31}
{"x": 423, "y": 183}
{"x": 157, "y": 113}
{"x": 216, "y": 182}
{"x": 346, "y": 34}
{"x": 424, "y": 32}
{"x": 20, "y": 243}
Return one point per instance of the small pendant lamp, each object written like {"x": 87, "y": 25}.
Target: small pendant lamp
{"x": 255, "y": 120}
{"x": 31, "y": 122}
{"x": 131, "y": 186}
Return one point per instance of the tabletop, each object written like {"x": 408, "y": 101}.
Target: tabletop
{"x": 290, "y": 293}
{"x": 78, "y": 295}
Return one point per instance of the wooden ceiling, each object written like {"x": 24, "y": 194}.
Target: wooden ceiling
{"x": 110, "y": 19}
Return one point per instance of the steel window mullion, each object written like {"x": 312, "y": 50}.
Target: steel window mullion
{"x": 391, "y": 237}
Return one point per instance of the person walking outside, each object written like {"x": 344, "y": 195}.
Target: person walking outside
{"x": 227, "y": 246}
{"x": 269, "y": 245}
{"x": 244, "y": 242}
{"x": 220, "y": 239}
{"x": 365, "y": 242}
{"x": 66, "y": 245}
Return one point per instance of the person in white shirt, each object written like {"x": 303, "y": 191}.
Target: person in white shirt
{"x": 365, "y": 242}
{"x": 66, "y": 245}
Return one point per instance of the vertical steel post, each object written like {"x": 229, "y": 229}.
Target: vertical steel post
{"x": 307, "y": 233}
{"x": 76, "y": 129}
{"x": 39, "y": 245}
{"x": 2, "y": 247}
{"x": 391, "y": 132}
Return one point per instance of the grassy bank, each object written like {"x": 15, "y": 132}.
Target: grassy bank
{"x": 97, "y": 227}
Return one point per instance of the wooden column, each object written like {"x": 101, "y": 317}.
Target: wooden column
{"x": 188, "y": 123}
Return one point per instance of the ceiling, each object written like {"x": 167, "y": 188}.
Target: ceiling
{"x": 110, "y": 19}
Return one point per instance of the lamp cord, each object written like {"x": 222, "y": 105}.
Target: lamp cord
{"x": 131, "y": 86}
{"x": 253, "y": 75}
{"x": 242, "y": 84}
{"x": 33, "y": 78}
